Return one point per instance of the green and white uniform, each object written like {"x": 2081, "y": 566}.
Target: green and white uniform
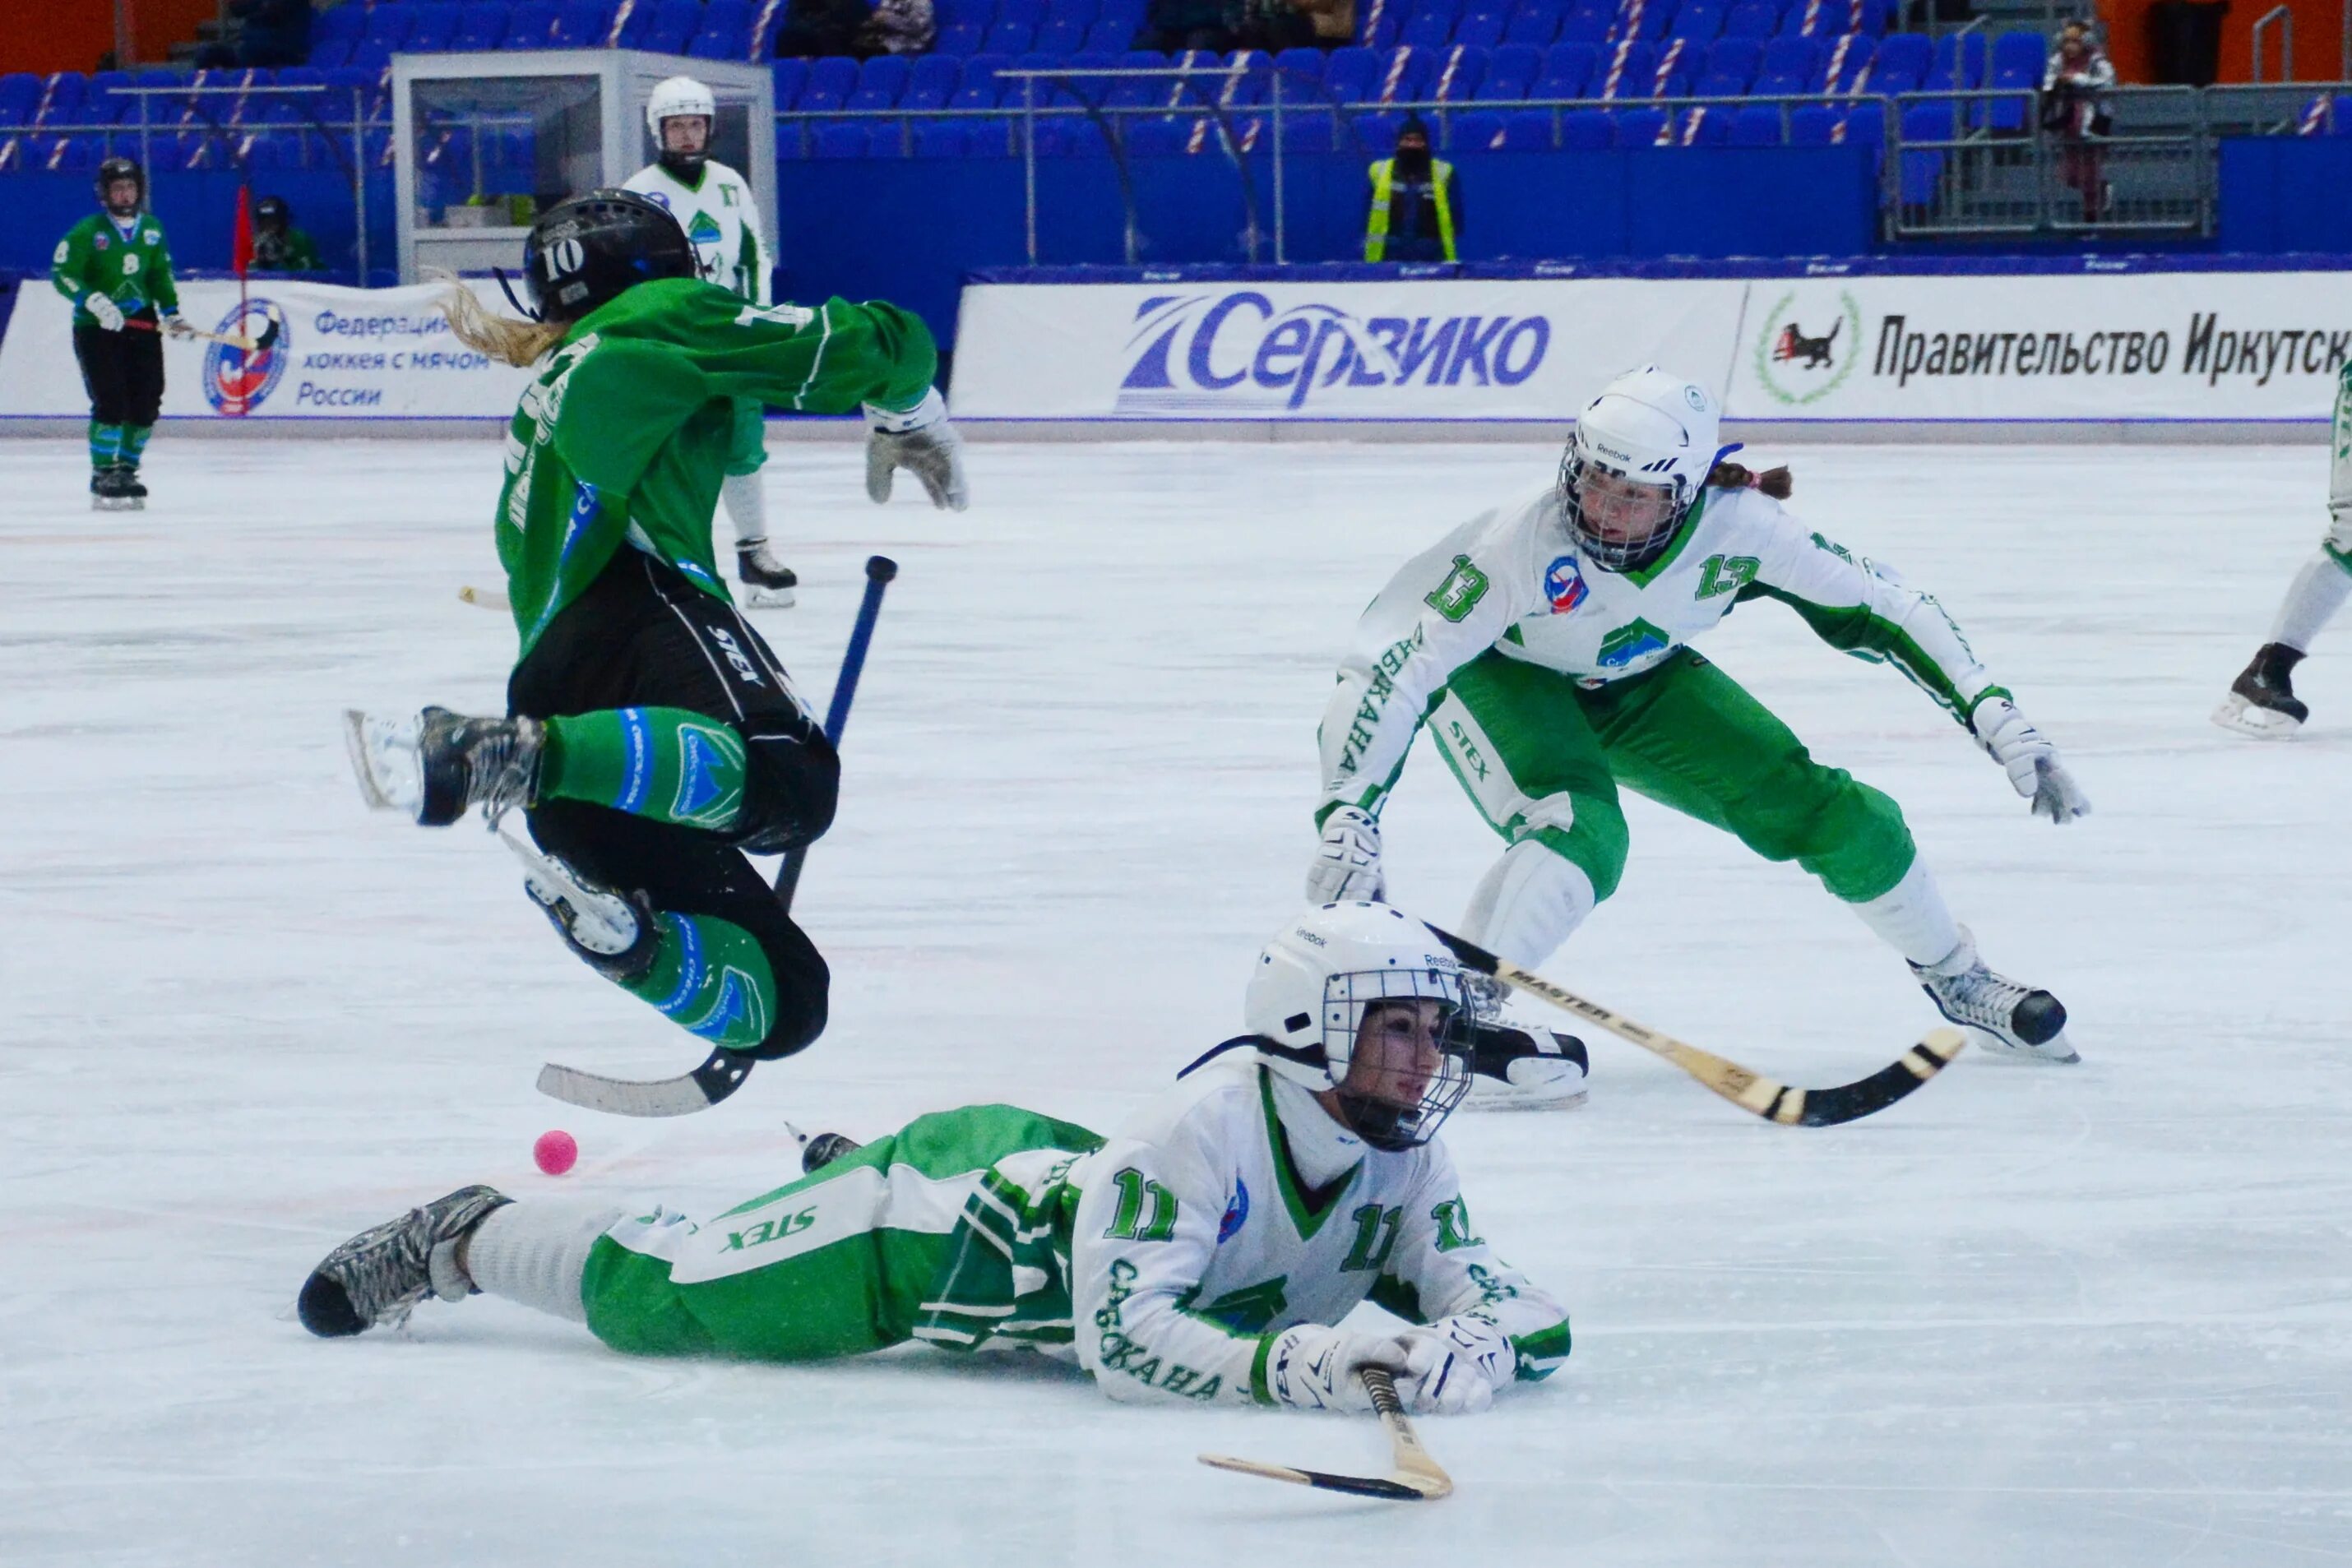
{"x": 621, "y": 438}
{"x": 1548, "y": 683}
{"x": 127, "y": 262}
{"x": 1165, "y": 1260}
{"x": 722, "y": 223}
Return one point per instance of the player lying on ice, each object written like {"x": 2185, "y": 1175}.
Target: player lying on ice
{"x": 654, "y": 737}
{"x": 1544, "y": 645}
{"x": 1205, "y": 1252}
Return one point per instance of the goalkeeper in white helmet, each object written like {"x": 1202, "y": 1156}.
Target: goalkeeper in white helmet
{"x": 1545, "y": 646}
{"x": 713, "y": 203}
{"x": 1206, "y": 1252}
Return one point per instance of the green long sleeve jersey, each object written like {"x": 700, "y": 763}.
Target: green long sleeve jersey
{"x": 128, "y": 263}
{"x": 622, "y": 438}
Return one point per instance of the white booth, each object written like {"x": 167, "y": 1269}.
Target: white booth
{"x": 483, "y": 142}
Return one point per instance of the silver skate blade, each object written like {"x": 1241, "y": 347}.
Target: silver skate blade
{"x": 2242, "y": 717}
{"x": 383, "y": 759}
{"x": 751, "y": 598}
{"x": 2054, "y": 1051}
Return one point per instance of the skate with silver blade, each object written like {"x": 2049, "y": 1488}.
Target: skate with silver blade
{"x": 2262, "y": 701}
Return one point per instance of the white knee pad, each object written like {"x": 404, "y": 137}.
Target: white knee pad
{"x": 1527, "y": 904}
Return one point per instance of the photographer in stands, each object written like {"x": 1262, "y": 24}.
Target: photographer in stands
{"x": 278, "y": 245}
{"x": 2074, "y": 112}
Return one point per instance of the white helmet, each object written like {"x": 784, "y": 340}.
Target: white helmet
{"x": 674, "y": 98}
{"x": 1314, "y": 982}
{"x": 1640, "y": 452}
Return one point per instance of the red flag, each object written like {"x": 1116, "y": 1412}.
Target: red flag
{"x": 241, "y": 248}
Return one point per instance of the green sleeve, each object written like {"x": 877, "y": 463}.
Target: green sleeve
{"x": 69, "y": 268}
{"x": 305, "y": 254}
{"x": 827, "y": 360}
{"x": 161, "y": 288}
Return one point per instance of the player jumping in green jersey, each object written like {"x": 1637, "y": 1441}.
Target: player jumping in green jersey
{"x": 653, "y": 739}
{"x": 1207, "y": 1252}
{"x": 117, "y": 270}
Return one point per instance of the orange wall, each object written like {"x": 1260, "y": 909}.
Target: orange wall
{"x": 69, "y": 35}
{"x": 2318, "y": 34}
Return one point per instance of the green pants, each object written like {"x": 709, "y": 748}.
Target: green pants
{"x": 1543, "y": 757}
{"x": 747, "y": 450}
{"x": 921, "y": 1235}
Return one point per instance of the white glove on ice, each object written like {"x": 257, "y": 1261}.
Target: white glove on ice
{"x": 2034, "y": 771}
{"x": 103, "y": 310}
{"x": 1455, "y": 1366}
{"x": 176, "y": 327}
{"x": 1314, "y": 1367}
{"x": 923, "y": 442}
{"x": 1347, "y": 863}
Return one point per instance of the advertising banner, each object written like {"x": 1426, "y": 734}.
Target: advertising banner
{"x": 2224, "y": 346}
{"x": 322, "y": 352}
{"x": 1441, "y": 349}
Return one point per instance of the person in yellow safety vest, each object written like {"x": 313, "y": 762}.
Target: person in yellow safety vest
{"x": 1416, "y": 203}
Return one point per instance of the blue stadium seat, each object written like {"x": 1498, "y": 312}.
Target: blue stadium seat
{"x": 1717, "y": 83}
{"x": 1445, "y": 11}
{"x": 1352, "y": 75}
{"x": 1960, "y": 60}
{"x": 1902, "y": 63}
{"x": 20, "y": 96}
{"x": 1699, "y": 19}
{"x": 1844, "y": 63}
{"x": 1588, "y": 131}
{"x": 1921, "y": 173}
{"x": 1405, "y": 76}
{"x": 675, "y": 24}
{"x": 1570, "y": 62}
{"x": 1535, "y": 23}
{"x": 1375, "y": 133}
{"x": 963, "y": 12}
{"x": 528, "y": 25}
{"x": 1644, "y": 19}
{"x": 831, "y": 80}
{"x": 1504, "y": 86}
{"x": 102, "y": 104}
{"x": 1302, "y": 73}
{"x": 632, "y": 20}
{"x": 941, "y": 138}
{"x": 1476, "y": 130}
{"x": 1586, "y": 23}
{"x": 62, "y": 97}
{"x": 958, "y": 41}
{"x": 2017, "y": 65}
{"x": 1739, "y": 57}
{"x": 1138, "y": 93}
{"x": 1865, "y": 126}
{"x": 1425, "y": 31}
{"x": 1457, "y": 74}
{"x": 1523, "y": 61}
{"x": 1108, "y": 37}
{"x": 1752, "y": 19}
{"x": 1060, "y": 39}
{"x": 1028, "y": 13}
{"x": 1480, "y": 30}
{"x": 1813, "y": 125}
{"x": 787, "y": 78}
{"x": 1084, "y": 14}
{"x": 931, "y": 81}
{"x": 433, "y": 26}
{"x": 1792, "y": 58}
{"x": 725, "y": 32}
{"x": 1758, "y": 126}
{"x": 1008, "y": 38}
{"x": 338, "y": 23}
{"x": 579, "y": 24}
{"x": 1527, "y": 130}
{"x": 884, "y": 75}
{"x": 840, "y": 140}
{"x": 980, "y": 88}
{"x": 1623, "y": 70}
{"x": 1678, "y": 60}
{"x": 1640, "y": 127}
{"x": 1704, "y": 126}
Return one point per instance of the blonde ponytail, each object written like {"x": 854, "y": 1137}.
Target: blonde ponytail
{"x": 503, "y": 338}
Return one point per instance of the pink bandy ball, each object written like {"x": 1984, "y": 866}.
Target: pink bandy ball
{"x": 555, "y": 1151}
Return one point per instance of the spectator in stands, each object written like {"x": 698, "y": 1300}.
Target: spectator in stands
{"x": 1274, "y": 24}
{"x": 897, "y": 28}
{"x": 815, "y": 27}
{"x": 278, "y": 245}
{"x": 269, "y": 33}
{"x": 1173, "y": 25}
{"x": 1334, "y": 20}
{"x": 2074, "y": 111}
{"x": 1415, "y": 213}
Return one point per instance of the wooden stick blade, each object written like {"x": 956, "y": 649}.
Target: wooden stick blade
{"x": 1392, "y": 1490}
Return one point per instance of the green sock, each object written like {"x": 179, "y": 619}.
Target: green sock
{"x": 105, "y": 444}
{"x": 670, "y": 764}
{"x": 711, "y": 979}
{"x": 134, "y": 441}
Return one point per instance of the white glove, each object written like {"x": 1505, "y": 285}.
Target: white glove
{"x": 103, "y": 310}
{"x": 1455, "y": 1366}
{"x": 923, "y": 442}
{"x": 2034, "y": 771}
{"x": 1314, "y": 1367}
{"x": 1347, "y": 863}
{"x": 176, "y": 327}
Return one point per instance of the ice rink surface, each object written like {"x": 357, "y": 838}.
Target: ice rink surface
{"x": 2096, "y": 1316}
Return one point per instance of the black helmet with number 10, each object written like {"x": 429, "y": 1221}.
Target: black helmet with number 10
{"x": 588, "y": 249}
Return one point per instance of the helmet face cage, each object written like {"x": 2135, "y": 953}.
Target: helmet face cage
{"x": 114, "y": 169}
{"x": 1618, "y": 554}
{"x": 1384, "y": 1121}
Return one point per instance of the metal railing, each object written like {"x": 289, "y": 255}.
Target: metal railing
{"x": 2279, "y": 20}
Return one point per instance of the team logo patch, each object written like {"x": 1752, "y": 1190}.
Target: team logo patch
{"x": 237, "y": 381}
{"x": 1564, "y": 585}
{"x": 1237, "y": 1213}
{"x": 657, "y": 198}
{"x": 100, "y": 241}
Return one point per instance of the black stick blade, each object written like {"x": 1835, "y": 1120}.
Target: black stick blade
{"x": 1850, "y": 1102}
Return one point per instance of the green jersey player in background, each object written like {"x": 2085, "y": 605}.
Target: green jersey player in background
{"x": 1205, "y": 1252}
{"x": 2262, "y": 700}
{"x": 1545, "y": 646}
{"x": 653, "y": 738}
{"x": 117, "y": 270}
{"x": 713, "y": 204}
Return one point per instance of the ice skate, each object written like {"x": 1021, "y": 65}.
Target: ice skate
{"x": 111, "y": 490}
{"x": 2262, "y": 701}
{"x": 1995, "y": 1010}
{"x": 379, "y": 1276}
{"x": 616, "y": 935}
{"x": 768, "y": 583}
{"x": 1519, "y": 1067}
{"x": 439, "y": 763}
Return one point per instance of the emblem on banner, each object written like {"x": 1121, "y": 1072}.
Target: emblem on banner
{"x": 237, "y": 381}
{"x": 1797, "y": 365}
